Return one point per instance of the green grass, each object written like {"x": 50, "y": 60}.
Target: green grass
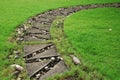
{"x": 15, "y": 12}
{"x": 84, "y": 71}
{"x": 88, "y": 32}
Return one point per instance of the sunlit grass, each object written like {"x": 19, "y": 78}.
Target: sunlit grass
{"x": 95, "y": 35}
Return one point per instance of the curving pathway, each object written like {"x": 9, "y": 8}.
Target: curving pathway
{"x": 43, "y": 60}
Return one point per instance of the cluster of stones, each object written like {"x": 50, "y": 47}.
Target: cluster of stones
{"x": 21, "y": 32}
{"x": 42, "y": 60}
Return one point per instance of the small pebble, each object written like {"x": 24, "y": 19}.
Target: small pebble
{"x": 44, "y": 31}
{"x": 43, "y": 49}
{"x": 19, "y": 32}
{"x": 38, "y": 76}
{"x": 39, "y": 51}
{"x": 52, "y": 58}
{"x": 60, "y": 58}
{"x": 25, "y": 27}
{"x": 18, "y": 39}
{"x": 48, "y": 47}
{"x": 15, "y": 52}
{"x": 34, "y": 54}
{"x": 39, "y": 60}
{"x": 19, "y": 78}
{"x": 46, "y": 68}
{"x": 33, "y": 37}
{"x": 17, "y": 67}
{"x": 44, "y": 59}
{"x": 51, "y": 46}
{"x": 21, "y": 39}
{"x": 75, "y": 59}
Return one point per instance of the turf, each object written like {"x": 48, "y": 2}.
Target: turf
{"x": 95, "y": 34}
{"x": 15, "y": 12}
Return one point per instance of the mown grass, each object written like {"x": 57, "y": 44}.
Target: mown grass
{"x": 95, "y": 35}
{"x": 83, "y": 71}
{"x": 15, "y": 12}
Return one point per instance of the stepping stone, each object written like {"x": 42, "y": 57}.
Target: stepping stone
{"x": 47, "y": 53}
{"x": 32, "y": 67}
{"x": 60, "y": 67}
{"x": 40, "y": 20}
{"x": 33, "y": 48}
{"x": 39, "y": 25}
{"x": 41, "y": 28}
{"x": 38, "y": 37}
{"x": 37, "y": 31}
{"x": 40, "y": 69}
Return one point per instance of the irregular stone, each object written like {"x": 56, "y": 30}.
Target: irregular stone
{"x": 52, "y": 58}
{"x": 17, "y": 56}
{"x": 17, "y": 67}
{"x": 60, "y": 58}
{"x": 46, "y": 68}
{"x": 26, "y": 27}
{"x": 75, "y": 59}
{"x": 38, "y": 76}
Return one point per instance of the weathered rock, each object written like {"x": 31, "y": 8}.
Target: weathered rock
{"x": 38, "y": 76}
{"x": 75, "y": 59}
{"x": 26, "y": 27}
{"x": 16, "y": 52}
{"x": 46, "y": 68}
{"x": 19, "y": 78}
{"x": 19, "y": 31}
{"x": 60, "y": 58}
{"x": 17, "y": 67}
{"x": 52, "y": 58}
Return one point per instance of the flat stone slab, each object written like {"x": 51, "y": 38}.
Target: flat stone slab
{"x": 32, "y": 67}
{"x": 37, "y": 37}
{"x": 60, "y": 67}
{"x": 46, "y": 53}
{"x": 37, "y": 30}
{"x": 41, "y": 25}
{"x": 33, "y": 48}
{"x": 44, "y": 20}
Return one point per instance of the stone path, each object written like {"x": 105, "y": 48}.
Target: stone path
{"x": 43, "y": 60}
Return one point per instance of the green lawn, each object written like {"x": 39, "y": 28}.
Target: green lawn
{"x": 15, "y": 12}
{"x": 95, "y": 34}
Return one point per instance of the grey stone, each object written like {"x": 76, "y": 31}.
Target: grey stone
{"x": 75, "y": 59}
